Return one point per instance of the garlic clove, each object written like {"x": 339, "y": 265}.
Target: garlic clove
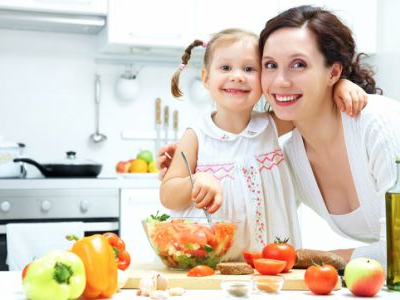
{"x": 162, "y": 282}
{"x": 176, "y": 291}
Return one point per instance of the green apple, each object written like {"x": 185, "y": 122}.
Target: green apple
{"x": 364, "y": 276}
{"x": 145, "y": 155}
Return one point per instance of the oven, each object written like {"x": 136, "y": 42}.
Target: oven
{"x": 97, "y": 208}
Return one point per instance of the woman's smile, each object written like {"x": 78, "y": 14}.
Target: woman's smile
{"x": 286, "y": 99}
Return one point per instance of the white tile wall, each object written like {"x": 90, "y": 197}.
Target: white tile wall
{"x": 47, "y": 98}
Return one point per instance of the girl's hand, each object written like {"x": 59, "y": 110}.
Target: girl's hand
{"x": 349, "y": 97}
{"x": 207, "y": 192}
{"x": 164, "y": 158}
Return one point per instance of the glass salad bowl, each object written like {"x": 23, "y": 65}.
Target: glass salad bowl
{"x": 183, "y": 243}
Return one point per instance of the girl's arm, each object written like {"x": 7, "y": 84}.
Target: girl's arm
{"x": 349, "y": 97}
{"x": 176, "y": 188}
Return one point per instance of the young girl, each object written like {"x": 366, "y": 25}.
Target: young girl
{"x": 240, "y": 171}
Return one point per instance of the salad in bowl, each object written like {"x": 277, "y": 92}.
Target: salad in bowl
{"x": 183, "y": 243}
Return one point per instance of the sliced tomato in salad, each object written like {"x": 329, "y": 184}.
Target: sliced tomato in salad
{"x": 182, "y": 244}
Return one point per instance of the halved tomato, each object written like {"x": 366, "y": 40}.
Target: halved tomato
{"x": 200, "y": 271}
{"x": 249, "y": 256}
{"x": 267, "y": 266}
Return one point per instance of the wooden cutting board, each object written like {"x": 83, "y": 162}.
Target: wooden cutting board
{"x": 294, "y": 280}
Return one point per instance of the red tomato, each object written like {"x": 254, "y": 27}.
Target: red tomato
{"x": 114, "y": 241}
{"x": 321, "y": 280}
{"x": 124, "y": 260}
{"x": 200, "y": 271}
{"x": 281, "y": 250}
{"x": 24, "y": 271}
{"x": 267, "y": 266}
{"x": 250, "y": 255}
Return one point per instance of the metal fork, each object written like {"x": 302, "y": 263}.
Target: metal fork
{"x": 208, "y": 216}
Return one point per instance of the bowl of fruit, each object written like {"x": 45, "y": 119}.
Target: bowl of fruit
{"x": 183, "y": 243}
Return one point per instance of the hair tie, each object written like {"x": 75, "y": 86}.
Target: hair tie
{"x": 182, "y": 66}
{"x": 205, "y": 44}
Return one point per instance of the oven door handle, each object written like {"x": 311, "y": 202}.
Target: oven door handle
{"x": 87, "y": 227}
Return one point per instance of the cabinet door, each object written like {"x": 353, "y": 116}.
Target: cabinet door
{"x": 167, "y": 23}
{"x": 91, "y": 7}
{"x": 137, "y": 205}
{"x": 360, "y": 16}
{"x": 213, "y": 16}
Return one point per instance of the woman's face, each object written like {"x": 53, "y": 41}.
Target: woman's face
{"x": 295, "y": 80}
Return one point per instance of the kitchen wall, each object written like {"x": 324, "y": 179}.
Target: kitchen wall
{"x": 47, "y": 101}
{"x": 47, "y": 98}
{"x": 387, "y": 61}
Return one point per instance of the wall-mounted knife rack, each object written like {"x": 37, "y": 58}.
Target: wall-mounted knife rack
{"x": 164, "y": 132}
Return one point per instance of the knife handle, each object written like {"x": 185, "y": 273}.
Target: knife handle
{"x": 175, "y": 120}
{"x": 166, "y": 116}
{"x": 158, "y": 111}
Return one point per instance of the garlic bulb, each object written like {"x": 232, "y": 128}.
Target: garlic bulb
{"x": 152, "y": 282}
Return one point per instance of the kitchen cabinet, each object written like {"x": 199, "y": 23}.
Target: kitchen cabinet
{"x": 150, "y": 23}
{"x": 137, "y": 27}
{"x": 360, "y": 16}
{"x": 87, "y": 7}
{"x": 212, "y": 16}
{"x": 72, "y": 16}
{"x": 136, "y": 205}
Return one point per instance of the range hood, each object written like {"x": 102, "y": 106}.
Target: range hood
{"x": 49, "y": 21}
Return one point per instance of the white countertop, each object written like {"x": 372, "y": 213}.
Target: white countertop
{"x": 11, "y": 289}
{"x": 132, "y": 181}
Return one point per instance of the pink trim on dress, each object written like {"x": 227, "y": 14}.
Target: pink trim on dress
{"x": 269, "y": 160}
{"x": 220, "y": 171}
{"x": 253, "y": 186}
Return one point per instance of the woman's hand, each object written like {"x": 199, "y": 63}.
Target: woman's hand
{"x": 349, "y": 97}
{"x": 164, "y": 158}
{"x": 207, "y": 192}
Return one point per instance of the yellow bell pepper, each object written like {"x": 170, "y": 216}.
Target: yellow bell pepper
{"x": 100, "y": 265}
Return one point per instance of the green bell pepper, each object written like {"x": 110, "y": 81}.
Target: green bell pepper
{"x": 59, "y": 275}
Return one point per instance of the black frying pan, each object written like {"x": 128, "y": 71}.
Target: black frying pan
{"x": 64, "y": 170}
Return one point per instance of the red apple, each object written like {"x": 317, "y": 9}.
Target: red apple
{"x": 364, "y": 276}
{"x": 123, "y": 166}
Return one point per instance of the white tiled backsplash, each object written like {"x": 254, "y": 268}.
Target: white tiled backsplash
{"x": 47, "y": 98}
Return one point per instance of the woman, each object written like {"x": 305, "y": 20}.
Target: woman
{"x": 341, "y": 166}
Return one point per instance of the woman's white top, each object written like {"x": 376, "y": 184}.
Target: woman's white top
{"x": 256, "y": 184}
{"x": 354, "y": 224}
{"x": 372, "y": 141}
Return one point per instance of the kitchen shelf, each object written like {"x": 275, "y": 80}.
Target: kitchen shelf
{"x": 149, "y": 56}
{"x": 150, "y": 135}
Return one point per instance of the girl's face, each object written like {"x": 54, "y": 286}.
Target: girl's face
{"x": 295, "y": 80}
{"x": 233, "y": 77}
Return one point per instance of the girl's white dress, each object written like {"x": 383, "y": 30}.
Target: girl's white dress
{"x": 257, "y": 188}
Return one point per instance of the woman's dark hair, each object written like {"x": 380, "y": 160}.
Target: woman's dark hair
{"x": 334, "y": 40}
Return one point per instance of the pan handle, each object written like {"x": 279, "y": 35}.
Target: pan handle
{"x": 32, "y": 162}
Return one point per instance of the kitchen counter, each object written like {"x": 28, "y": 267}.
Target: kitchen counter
{"x": 11, "y": 289}
{"x": 131, "y": 181}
